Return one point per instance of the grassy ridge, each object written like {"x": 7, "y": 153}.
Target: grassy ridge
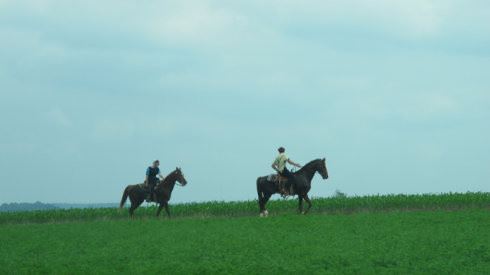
{"x": 451, "y": 201}
{"x": 372, "y": 240}
{"x": 399, "y": 242}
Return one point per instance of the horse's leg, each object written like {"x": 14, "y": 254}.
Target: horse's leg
{"x": 265, "y": 199}
{"x": 132, "y": 207}
{"x": 262, "y": 201}
{"x": 135, "y": 203}
{"x": 160, "y": 206}
{"x": 260, "y": 195}
{"x": 308, "y": 201}
{"x": 131, "y": 210}
{"x": 300, "y": 205}
{"x": 166, "y": 209}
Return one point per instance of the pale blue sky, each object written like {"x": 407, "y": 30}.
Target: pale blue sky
{"x": 395, "y": 94}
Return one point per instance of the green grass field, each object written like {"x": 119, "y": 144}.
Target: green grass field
{"x": 427, "y": 234}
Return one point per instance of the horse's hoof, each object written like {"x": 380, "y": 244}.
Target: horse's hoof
{"x": 266, "y": 213}
{"x": 261, "y": 214}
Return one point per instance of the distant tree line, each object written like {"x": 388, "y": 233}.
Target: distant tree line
{"x": 23, "y": 206}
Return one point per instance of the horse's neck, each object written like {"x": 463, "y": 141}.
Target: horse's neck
{"x": 308, "y": 171}
{"x": 169, "y": 181}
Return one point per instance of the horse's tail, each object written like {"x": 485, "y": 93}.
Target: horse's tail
{"x": 124, "y": 197}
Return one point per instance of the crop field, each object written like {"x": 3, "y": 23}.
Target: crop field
{"x": 429, "y": 234}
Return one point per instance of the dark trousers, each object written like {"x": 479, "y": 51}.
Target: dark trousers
{"x": 151, "y": 184}
{"x": 286, "y": 173}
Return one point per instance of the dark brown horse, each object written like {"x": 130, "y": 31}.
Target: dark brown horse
{"x": 163, "y": 190}
{"x": 301, "y": 185}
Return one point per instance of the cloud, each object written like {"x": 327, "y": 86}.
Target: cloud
{"x": 193, "y": 24}
{"x": 122, "y": 81}
{"x": 429, "y": 107}
{"x": 144, "y": 125}
{"x": 112, "y": 129}
{"x": 415, "y": 107}
{"x": 409, "y": 19}
{"x": 59, "y": 118}
{"x": 234, "y": 27}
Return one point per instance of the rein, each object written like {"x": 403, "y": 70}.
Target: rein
{"x": 172, "y": 174}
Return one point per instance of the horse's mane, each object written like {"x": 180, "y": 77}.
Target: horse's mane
{"x": 164, "y": 181}
{"x": 308, "y": 165}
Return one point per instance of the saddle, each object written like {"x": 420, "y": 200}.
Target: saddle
{"x": 280, "y": 182}
{"x": 146, "y": 189}
{"x": 276, "y": 178}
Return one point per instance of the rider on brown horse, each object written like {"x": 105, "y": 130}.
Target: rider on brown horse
{"x": 151, "y": 178}
{"x": 279, "y": 165}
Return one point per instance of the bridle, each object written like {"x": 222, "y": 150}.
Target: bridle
{"x": 181, "y": 176}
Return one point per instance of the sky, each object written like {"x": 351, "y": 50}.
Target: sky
{"x": 394, "y": 94}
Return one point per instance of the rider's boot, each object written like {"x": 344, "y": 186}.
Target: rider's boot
{"x": 149, "y": 195}
{"x": 279, "y": 187}
{"x": 282, "y": 189}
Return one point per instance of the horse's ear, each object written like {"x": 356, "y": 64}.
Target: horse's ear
{"x": 323, "y": 159}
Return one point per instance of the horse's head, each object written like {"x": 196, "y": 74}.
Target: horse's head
{"x": 323, "y": 169}
{"x": 179, "y": 176}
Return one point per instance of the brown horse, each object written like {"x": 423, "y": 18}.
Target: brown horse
{"x": 163, "y": 190}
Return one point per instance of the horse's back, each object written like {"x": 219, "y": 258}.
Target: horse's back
{"x": 135, "y": 187}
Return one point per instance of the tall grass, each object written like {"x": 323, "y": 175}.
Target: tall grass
{"x": 449, "y": 201}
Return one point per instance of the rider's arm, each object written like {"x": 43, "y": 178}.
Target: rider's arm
{"x": 294, "y": 163}
{"x": 147, "y": 173}
{"x": 275, "y": 165}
